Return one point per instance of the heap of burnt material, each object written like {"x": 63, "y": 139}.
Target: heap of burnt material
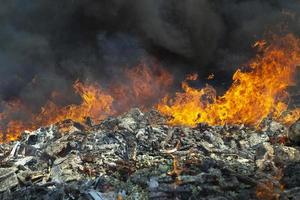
{"x": 138, "y": 156}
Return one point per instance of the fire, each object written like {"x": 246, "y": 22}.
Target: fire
{"x": 95, "y": 104}
{"x": 291, "y": 117}
{"x": 141, "y": 86}
{"x": 253, "y": 96}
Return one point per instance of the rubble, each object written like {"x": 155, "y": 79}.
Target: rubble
{"x": 8, "y": 179}
{"x": 294, "y": 132}
{"x": 138, "y": 156}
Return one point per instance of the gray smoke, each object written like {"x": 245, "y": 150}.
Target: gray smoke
{"x": 47, "y": 45}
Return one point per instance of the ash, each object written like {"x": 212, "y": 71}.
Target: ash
{"x": 138, "y": 156}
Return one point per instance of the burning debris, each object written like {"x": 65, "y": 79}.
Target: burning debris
{"x": 97, "y": 103}
{"x": 254, "y": 95}
{"x": 137, "y": 156}
{"x": 91, "y": 105}
{"x": 193, "y": 145}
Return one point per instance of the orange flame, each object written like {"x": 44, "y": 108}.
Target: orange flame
{"x": 290, "y": 117}
{"x": 253, "y": 95}
{"x": 143, "y": 86}
{"x": 95, "y": 104}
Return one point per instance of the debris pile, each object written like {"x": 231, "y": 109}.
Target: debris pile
{"x": 138, "y": 156}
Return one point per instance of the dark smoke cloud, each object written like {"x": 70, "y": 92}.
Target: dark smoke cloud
{"x": 46, "y": 45}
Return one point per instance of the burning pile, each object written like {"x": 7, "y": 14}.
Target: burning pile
{"x": 97, "y": 103}
{"x": 237, "y": 146}
{"x": 137, "y": 156}
{"x": 255, "y": 94}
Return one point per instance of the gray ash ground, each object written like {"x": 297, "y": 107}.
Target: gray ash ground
{"x": 138, "y": 156}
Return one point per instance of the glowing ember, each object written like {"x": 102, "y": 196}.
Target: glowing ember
{"x": 253, "y": 95}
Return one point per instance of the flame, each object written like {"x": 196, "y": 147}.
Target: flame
{"x": 140, "y": 86}
{"x": 253, "y": 95}
{"x": 210, "y": 77}
{"x": 95, "y": 104}
{"x": 13, "y": 126}
{"x": 290, "y": 117}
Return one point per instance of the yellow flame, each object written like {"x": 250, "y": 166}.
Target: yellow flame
{"x": 253, "y": 95}
{"x": 144, "y": 84}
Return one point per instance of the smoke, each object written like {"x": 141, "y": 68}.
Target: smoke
{"x": 47, "y": 45}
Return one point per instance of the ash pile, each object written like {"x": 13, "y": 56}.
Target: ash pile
{"x": 138, "y": 156}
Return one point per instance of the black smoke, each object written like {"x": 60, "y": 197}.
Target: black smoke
{"x": 46, "y": 45}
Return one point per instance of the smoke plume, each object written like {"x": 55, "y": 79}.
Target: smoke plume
{"x": 47, "y": 45}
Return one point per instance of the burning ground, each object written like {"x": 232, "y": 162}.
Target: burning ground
{"x": 255, "y": 94}
{"x": 91, "y": 105}
{"x": 142, "y": 86}
{"x": 197, "y": 145}
{"x": 137, "y": 156}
